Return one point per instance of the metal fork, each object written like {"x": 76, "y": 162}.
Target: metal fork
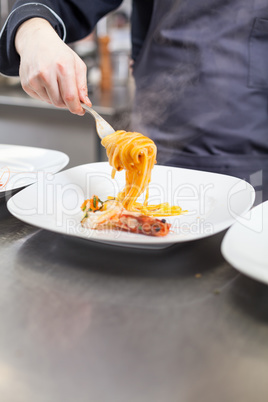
{"x": 102, "y": 126}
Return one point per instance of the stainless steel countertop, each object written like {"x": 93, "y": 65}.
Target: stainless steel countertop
{"x": 107, "y": 103}
{"x": 82, "y": 321}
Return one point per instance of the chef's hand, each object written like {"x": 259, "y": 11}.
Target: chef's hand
{"x": 49, "y": 69}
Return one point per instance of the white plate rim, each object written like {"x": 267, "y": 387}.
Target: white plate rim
{"x": 237, "y": 259}
{"x": 63, "y": 163}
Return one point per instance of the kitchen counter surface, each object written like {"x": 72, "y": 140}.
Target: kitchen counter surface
{"x": 82, "y": 321}
{"x": 106, "y": 103}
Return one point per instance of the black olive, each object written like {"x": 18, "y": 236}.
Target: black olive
{"x": 163, "y": 220}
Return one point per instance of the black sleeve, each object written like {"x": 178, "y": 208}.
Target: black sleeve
{"x": 71, "y": 19}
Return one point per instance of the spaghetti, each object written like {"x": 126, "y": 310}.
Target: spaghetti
{"x": 136, "y": 154}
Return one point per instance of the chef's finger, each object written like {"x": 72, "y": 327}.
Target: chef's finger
{"x": 40, "y": 86}
{"x": 69, "y": 91}
{"x": 39, "y": 93}
{"x": 51, "y": 93}
{"x": 81, "y": 79}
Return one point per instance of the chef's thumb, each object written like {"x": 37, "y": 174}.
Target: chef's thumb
{"x": 83, "y": 96}
{"x": 82, "y": 85}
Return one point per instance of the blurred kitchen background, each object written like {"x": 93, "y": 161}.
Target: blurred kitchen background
{"x": 26, "y": 121}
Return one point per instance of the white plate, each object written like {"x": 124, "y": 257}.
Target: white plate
{"x": 245, "y": 245}
{"x": 21, "y": 165}
{"x": 213, "y": 202}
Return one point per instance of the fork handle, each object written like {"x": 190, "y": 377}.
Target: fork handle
{"x": 102, "y": 126}
{"x": 87, "y": 108}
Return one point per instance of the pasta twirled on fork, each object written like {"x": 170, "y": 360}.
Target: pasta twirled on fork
{"x": 136, "y": 154}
